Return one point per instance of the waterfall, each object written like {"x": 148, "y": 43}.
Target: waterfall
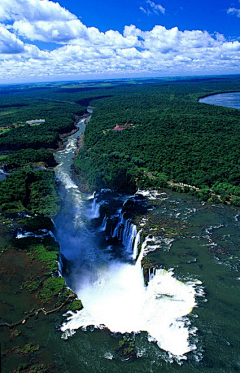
{"x": 126, "y": 233}
{"x": 118, "y": 299}
{"x": 104, "y": 224}
{"x": 141, "y": 254}
{"x": 111, "y": 286}
{"x": 95, "y": 209}
{"x": 135, "y": 246}
{"x": 62, "y": 262}
{"x": 118, "y": 229}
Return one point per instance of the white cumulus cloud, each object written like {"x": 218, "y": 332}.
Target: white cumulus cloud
{"x": 46, "y": 21}
{"x": 9, "y": 43}
{"x": 33, "y": 11}
{"x": 82, "y": 51}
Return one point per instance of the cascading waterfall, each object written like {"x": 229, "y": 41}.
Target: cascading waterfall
{"x": 119, "y": 300}
{"x": 104, "y": 224}
{"x": 112, "y": 287}
{"x": 135, "y": 246}
{"x": 126, "y": 232}
{"x": 95, "y": 209}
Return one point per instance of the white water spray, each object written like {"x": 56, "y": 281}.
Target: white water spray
{"x": 113, "y": 293}
{"x": 119, "y": 300}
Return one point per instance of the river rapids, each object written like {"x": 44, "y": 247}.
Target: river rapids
{"x": 109, "y": 280}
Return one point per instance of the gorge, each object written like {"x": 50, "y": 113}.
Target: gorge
{"x": 157, "y": 269}
{"x": 103, "y": 266}
{"x": 110, "y": 284}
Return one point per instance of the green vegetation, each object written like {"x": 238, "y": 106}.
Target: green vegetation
{"x": 76, "y": 305}
{"x": 34, "y": 298}
{"x": 174, "y": 138}
{"x": 174, "y": 142}
{"x": 28, "y": 149}
{"x": 34, "y": 223}
{"x": 34, "y": 191}
{"x": 126, "y": 347}
{"x": 31, "y": 285}
{"x": 29, "y": 348}
{"x": 28, "y": 157}
{"x": 51, "y": 287}
{"x": 48, "y": 257}
{"x": 59, "y": 118}
{"x": 35, "y": 368}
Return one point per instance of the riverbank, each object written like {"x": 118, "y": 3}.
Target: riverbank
{"x": 202, "y": 98}
{"x": 80, "y": 138}
{"x": 64, "y": 136}
{"x": 199, "y": 240}
{"x": 33, "y": 295}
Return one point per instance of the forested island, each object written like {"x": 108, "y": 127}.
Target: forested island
{"x": 143, "y": 134}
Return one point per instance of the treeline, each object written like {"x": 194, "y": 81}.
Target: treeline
{"x": 27, "y": 157}
{"x": 25, "y": 148}
{"x": 33, "y": 191}
{"x": 59, "y": 118}
{"x": 58, "y": 106}
{"x": 173, "y": 138}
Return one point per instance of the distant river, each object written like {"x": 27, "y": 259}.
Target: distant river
{"x": 223, "y": 99}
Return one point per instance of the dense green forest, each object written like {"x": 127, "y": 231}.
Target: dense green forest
{"x": 27, "y": 149}
{"x": 59, "y": 118}
{"x": 30, "y": 157}
{"x": 33, "y": 191}
{"x": 173, "y": 138}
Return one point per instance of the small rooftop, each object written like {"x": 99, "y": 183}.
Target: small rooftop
{"x": 120, "y": 128}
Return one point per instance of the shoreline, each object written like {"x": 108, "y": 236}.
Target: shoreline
{"x": 37, "y": 291}
{"x": 80, "y": 137}
{"x": 63, "y": 137}
{"x": 214, "y": 94}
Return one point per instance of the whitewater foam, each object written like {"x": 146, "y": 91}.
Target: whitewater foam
{"x": 119, "y": 300}
{"x": 113, "y": 292}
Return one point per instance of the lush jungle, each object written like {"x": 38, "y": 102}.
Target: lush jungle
{"x": 148, "y": 133}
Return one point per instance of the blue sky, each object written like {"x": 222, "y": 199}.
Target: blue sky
{"x": 210, "y": 15}
{"x": 43, "y": 40}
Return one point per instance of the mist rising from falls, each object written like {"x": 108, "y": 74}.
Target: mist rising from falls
{"x": 118, "y": 299}
{"x": 114, "y": 295}
{"x": 98, "y": 265}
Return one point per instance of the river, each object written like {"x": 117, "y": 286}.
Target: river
{"x": 187, "y": 317}
{"x": 231, "y": 100}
